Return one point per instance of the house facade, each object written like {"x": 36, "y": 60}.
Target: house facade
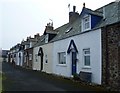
{"x": 77, "y": 48}
{"x": 4, "y": 55}
{"x": 43, "y": 50}
{"x": 21, "y": 54}
{"x": 15, "y": 55}
{"x": 28, "y": 51}
{"x": 74, "y": 61}
{"x": 43, "y": 58}
{"x": 90, "y": 47}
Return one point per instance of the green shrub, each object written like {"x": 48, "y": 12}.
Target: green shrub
{"x": 76, "y": 76}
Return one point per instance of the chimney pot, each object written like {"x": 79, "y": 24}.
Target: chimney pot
{"x": 74, "y": 8}
{"x": 83, "y": 4}
{"x": 37, "y": 35}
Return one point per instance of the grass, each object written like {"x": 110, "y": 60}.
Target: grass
{"x": 0, "y": 82}
{"x": 2, "y": 77}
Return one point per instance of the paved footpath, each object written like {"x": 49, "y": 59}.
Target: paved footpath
{"x": 19, "y": 79}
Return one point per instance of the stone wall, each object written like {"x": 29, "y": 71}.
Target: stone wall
{"x": 111, "y": 55}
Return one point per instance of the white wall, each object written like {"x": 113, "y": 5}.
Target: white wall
{"x": 47, "y": 50}
{"x": 90, "y": 40}
{"x": 36, "y": 65}
{"x": 20, "y": 62}
{"x": 61, "y": 46}
{"x": 16, "y": 59}
{"x": 48, "y": 55}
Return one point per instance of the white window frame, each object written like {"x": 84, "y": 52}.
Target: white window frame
{"x": 88, "y": 22}
{"x": 86, "y": 53}
{"x": 62, "y": 58}
{"x": 30, "y": 44}
{"x": 30, "y": 56}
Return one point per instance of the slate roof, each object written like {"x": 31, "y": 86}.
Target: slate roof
{"x": 89, "y": 11}
{"x": 41, "y": 41}
{"x": 32, "y": 39}
{"x": 112, "y": 15}
{"x": 25, "y": 43}
{"x": 51, "y": 32}
{"x": 62, "y": 33}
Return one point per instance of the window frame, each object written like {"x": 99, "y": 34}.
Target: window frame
{"x": 61, "y": 55}
{"x": 30, "y": 57}
{"x": 87, "y": 55}
{"x": 88, "y": 18}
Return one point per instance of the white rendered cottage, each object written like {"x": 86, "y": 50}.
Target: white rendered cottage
{"x": 77, "y": 47}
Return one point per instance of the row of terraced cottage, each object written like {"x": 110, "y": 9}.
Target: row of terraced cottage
{"x": 88, "y": 45}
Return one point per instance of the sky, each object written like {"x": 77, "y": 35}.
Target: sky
{"x": 20, "y": 19}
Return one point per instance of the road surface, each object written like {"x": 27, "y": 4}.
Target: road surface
{"x": 19, "y": 79}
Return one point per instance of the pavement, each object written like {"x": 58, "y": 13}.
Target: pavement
{"x": 19, "y": 79}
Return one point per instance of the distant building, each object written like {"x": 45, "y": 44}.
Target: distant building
{"x": 4, "y": 55}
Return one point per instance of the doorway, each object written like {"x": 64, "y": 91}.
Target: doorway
{"x": 73, "y": 63}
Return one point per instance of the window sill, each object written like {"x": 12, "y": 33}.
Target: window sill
{"x": 85, "y": 30}
{"x": 86, "y": 67}
{"x": 62, "y": 65}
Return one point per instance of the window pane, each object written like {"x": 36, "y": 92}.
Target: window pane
{"x": 30, "y": 56}
{"x": 87, "y": 60}
{"x": 62, "y": 58}
{"x": 86, "y": 23}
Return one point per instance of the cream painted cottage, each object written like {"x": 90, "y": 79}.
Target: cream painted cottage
{"x": 43, "y": 50}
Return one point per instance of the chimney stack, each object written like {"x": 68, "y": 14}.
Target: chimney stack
{"x": 73, "y": 15}
{"x": 49, "y": 27}
{"x": 37, "y": 35}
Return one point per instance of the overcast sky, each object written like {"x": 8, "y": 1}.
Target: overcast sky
{"x": 22, "y": 18}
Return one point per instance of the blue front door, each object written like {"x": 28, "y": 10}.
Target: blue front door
{"x": 73, "y": 63}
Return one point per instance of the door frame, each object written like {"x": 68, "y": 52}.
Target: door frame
{"x": 74, "y": 64}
